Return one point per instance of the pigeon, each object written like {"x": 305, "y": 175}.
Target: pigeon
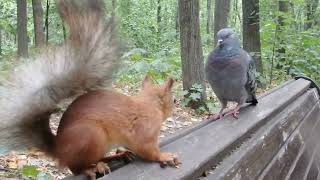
{"x": 231, "y": 71}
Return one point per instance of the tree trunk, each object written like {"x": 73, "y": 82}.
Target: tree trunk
{"x": 209, "y": 17}
{"x": 159, "y": 16}
{"x": 221, "y": 16}
{"x": 311, "y": 7}
{"x": 22, "y": 28}
{"x": 191, "y": 50}
{"x": 0, "y": 41}
{"x": 236, "y": 13}
{"x": 251, "y": 31}
{"x": 284, "y": 8}
{"x": 38, "y": 22}
{"x": 64, "y": 32}
{"x": 113, "y": 12}
{"x": 47, "y": 21}
{"x": 177, "y": 20}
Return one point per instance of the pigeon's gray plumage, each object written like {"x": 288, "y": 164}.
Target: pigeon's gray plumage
{"x": 231, "y": 72}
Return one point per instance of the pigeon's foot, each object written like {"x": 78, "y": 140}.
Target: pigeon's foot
{"x": 220, "y": 115}
{"x": 235, "y": 112}
{"x": 214, "y": 117}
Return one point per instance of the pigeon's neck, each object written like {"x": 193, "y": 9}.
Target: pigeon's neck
{"x": 228, "y": 50}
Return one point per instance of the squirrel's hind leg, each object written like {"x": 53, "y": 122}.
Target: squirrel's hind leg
{"x": 80, "y": 147}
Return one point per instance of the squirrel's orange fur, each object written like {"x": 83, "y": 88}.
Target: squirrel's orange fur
{"x": 101, "y": 119}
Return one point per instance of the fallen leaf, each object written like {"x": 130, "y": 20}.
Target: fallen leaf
{"x": 12, "y": 165}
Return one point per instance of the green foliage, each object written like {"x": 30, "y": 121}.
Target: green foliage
{"x": 32, "y": 172}
{"x": 302, "y": 48}
{"x": 8, "y": 25}
{"x": 194, "y": 94}
{"x": 8, "y": 21}
{"x": 4, "y": 67}
{"x": 213, "y": 106}
{"x": 138, "y": 63}
{"x": 191, "y": 96}
{"x": 8, "y": 18}
{"x": 55, "y": 23}
{"x": 138, "y": 23}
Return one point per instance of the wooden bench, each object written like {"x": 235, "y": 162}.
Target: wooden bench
{"x": 277, "y": 139}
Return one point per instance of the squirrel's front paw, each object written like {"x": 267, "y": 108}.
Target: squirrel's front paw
{"x": 125, "y": 154}
{"x": 170, "y": 159}
{"x": 102, "y": 168}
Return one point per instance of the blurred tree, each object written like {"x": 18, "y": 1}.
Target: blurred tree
{"x": 38, "y": 22}
{"x": 251, "y": 31}
{"x": 221, "y": 16}
{"x": 191, "y": 50}
{"x": 22, "y": 28}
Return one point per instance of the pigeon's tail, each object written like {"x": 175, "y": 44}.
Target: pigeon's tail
{"x": 253, "y": 101}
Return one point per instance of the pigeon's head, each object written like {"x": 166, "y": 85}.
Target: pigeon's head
{"x": 227, "y": 36}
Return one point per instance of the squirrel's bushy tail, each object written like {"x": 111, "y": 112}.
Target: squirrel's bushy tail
{"x": 30, "y": 94}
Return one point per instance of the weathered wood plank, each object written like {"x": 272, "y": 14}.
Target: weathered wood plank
{"x": 281, "y": 164}
{"x": 301, "y": 166}
{"x": 250, "y": 159}
{"x": 286, "y": 156}
{"x": 316, "y": 162}
{"x": 205, "y": 146}
{"x": 300, "y": 169}
{"x": 314, "y": 147}
{"x": 313, "y": 172}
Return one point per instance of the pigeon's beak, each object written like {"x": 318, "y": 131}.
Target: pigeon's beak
{"x": 219, "y": 42}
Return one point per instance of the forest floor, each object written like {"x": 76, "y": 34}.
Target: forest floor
{"x": 32, "y": 162}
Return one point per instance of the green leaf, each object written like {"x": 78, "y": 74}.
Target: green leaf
{"x": 200, "y": 110}
{"x": 213, "y": 106}
{"x": 185, "y": 92}
{"x": 185, "y": 102}
{"x": 30, "y": 171}
{"x": 195, "y": 96}
{"x": 197, "y": 87}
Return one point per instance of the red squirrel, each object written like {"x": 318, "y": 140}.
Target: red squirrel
{"x": 106, "y": 119}
{"x": 96, "y": 120}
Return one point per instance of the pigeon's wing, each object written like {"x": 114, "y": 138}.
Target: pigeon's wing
{"x": 251, "y": 85}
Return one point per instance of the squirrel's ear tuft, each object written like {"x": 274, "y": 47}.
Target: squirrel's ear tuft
{"x": 146, "y": 81}
{"x": 169, "y": 84}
